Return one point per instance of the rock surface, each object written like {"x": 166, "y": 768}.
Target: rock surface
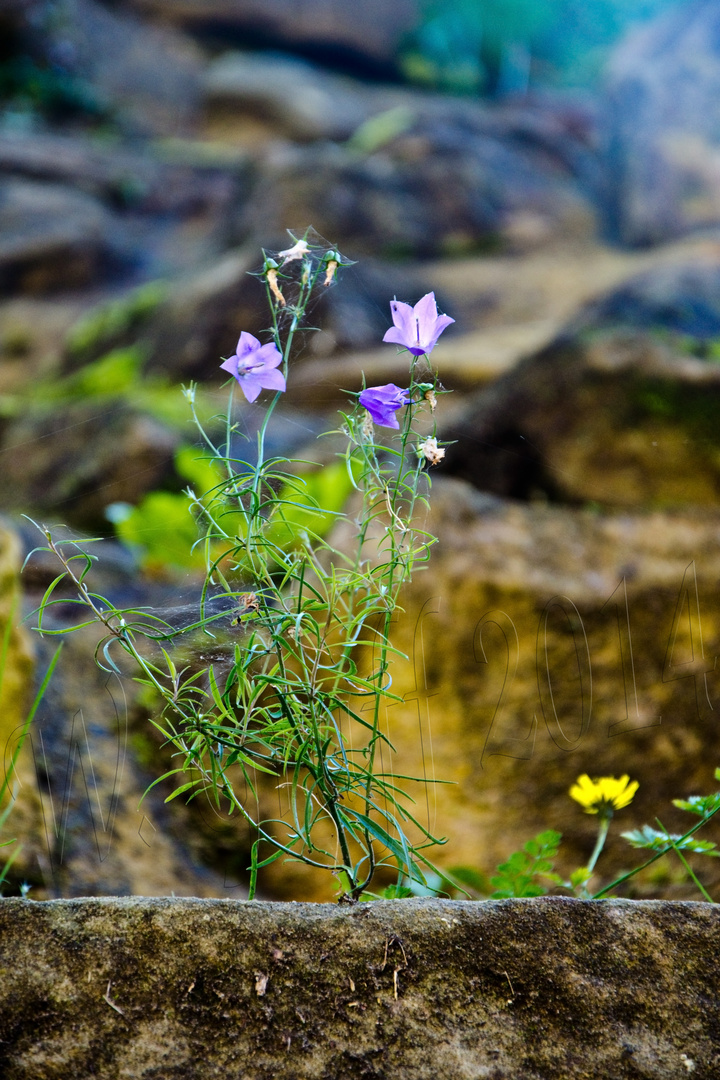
{"x": 545, "y": 642}
{"x": 407, "y": 173}
{"x": 76, "y": 459}
{"x": 456, "y": 177}
{"x": 204, "y": 315}
{"x": 295, "y": 97}
{"x": 619, "y": 410}
{"x": 680, "y": 300}
{"x": 664, "y": 126}
{"x": 145, "y": 77}
{"x": 341, "y": 31}
{"x": 52, "y": 237}
{"x": 146, "y": 179}
{"x": 203, "y": 990}
{"x": 77, "y": 212}
{"x": 509, "y": 308}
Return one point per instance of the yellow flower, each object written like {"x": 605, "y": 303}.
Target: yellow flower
{"x": 603, "y": 795}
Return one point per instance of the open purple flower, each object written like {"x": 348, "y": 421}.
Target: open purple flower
{"x": 382, "y": 402}
{"x": 419, "y": 327}
{"x": 255, "y": 366}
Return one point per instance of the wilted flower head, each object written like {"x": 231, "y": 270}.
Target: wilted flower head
{"x": 382, "y": 402}
{"x": 255, "y": 366}
{"x": 604, "y": 795}
{"x": 331, "y": 265}
{"x": 272, "y": 279}
{"x": 430, "y": 449}
{"x": 299, "y": 250}
{"x": 419, "y": 327}
{"x": 368, "y": 428}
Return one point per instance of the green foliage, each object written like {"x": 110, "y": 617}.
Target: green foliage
{"x": 309, "y": 505}
{"x": 112, "y": 320}
{"x": 397, "y": 892}
{"x": 390, "y": 892}
{"x": 200, "y": 470}
{"x": 647, "y": 837}
{"x": 379, "y": 130}
{"x": 26, "y": 84}
{"x": 579, "y": 879}
{"x": 144, "y": 750}
{"x": 496, "y": 46}
{"x": 702, "y": 805}
{"x": 518, "y": 877}
{"x": 703, "y": 348}
{"x": 686, "y": 405}
{"x": 664, "y": 842}
{"x": 460, "y": 46}
{"x": 114, "y": 374}
{"x": 460, "y": 882}
{"x": 161, "y": 530}
{"x": 457, "y": 883}
{"x": 117, "y": 374}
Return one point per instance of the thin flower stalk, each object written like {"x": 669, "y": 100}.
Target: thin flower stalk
{"x": 603, "y": 797}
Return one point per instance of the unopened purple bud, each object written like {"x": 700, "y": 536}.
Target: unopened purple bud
{"x": 382, "y": 402}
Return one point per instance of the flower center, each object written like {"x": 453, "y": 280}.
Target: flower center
{"x": 246, "y": 367}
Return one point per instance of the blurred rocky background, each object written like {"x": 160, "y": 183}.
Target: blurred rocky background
{"x": 552, "y": 171}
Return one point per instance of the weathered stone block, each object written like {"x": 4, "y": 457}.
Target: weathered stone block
{"x": 510, "y": 990}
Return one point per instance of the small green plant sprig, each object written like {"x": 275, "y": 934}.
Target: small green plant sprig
{"x": 661, "y": 842}
{"x": 523, "y": 872}
{"x": 285, "y": 696}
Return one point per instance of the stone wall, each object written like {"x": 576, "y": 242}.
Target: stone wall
{"x": 208, "y": 989}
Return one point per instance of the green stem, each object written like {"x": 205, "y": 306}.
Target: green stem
{"x": 605, "y": 820}
{"x": 685, "y": 863}
{"x": 392, "y": 586}
{"x": 600, "y": 842}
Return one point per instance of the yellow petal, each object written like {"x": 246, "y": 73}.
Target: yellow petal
{"x": 604, "y": 791}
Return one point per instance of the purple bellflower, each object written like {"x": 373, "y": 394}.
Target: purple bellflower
{"x": 419, "y": 327}
{"x": 255, "y": 366}
{"x": 382, "y": 402}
